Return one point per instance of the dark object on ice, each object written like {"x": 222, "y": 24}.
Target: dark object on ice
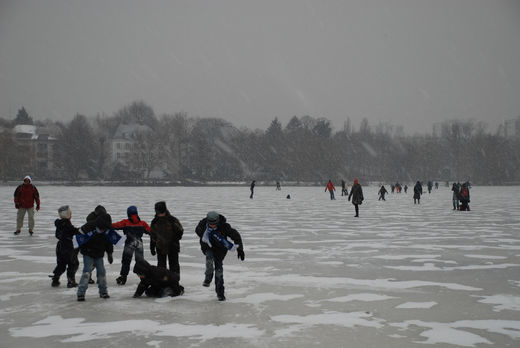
{"x": 288, "y": 197}
{"x": 156, "y": 281}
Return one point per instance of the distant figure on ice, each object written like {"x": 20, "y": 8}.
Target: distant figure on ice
{"x": 382, "y": 193}
{"x": 464, "y": 197}
{"x": 417, "y": 192}
{"x": 165, "y": 237}
{"x": 392, "y": 188}
{"x": 344, "y": 189}
{"x": 430, "y": 186}
{"x": 356, "y": 193}
{"x": 455, "y": 197}
{"x": 288, "y": 197}
{"x": 24, "y": 197}
{"x": 331, "y": 188}
{"x": 278, "y": 187}
{"x": 436, "y": 185}
{"x": 213, "y": 231}
{"x": 252, "y": 188}
{"x": 156, "y": 281}
{"x": 93, "y": 251}
{"x": 133, "y": 228}
{"x": 405, "y": 188}
{"x": 66, "y": 256}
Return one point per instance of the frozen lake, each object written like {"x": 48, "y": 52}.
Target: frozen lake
{"x": 399, "y": 276}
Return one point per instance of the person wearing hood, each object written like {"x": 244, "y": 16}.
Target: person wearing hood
{"x": 156, "y": 281}
{"x": 382, "y": 193}
{"x": 165, "y": 234}
{"x": 66, "y": 256}
{"x": 25, "y": 196}
{"x": 356, "y": 193}
{"x": 213, "y": 232}
{"x": 417, "y": 192}
{"x": 93, "y": 251}
{"x": 133, "y": 228}
{"x": 90, "y": 225}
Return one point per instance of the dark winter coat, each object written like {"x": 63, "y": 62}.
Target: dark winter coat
{"x": 96, "y": 246}
{"x": 356, "y": 193}
{"x": 133, "y": 228}
{"x": 155, "y": 280}
{"x": 25, "y": 195}
{"x": 165, "y": 232}
{"x": 383, "y": 191}
{"x": 223, "y": 229}
{"x": 417, "y": 190}
{"x": 64, "y": 233}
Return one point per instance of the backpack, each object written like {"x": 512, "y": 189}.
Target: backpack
{"x": 464, "y": 193}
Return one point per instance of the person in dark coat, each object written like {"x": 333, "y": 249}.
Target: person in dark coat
{"x": 417, "y": 192}
{"x": 455, "y": 197}
{"x": 90, "y": 225}
{"x": 66, "y": 256}
{"x": 165, "y": 234}
{"x": 356, "y": 193}
{"x": 93, "y": 251}
{"x": 133, "y": 228}
{"x": 25, "y": 196}
{"x": 252, "y": 188}
{"x": 213, "y": 232}
{"x": 382, "y": 193}
{"x": 156, "y": 281}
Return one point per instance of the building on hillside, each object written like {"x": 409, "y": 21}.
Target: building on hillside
{"x": 41, "y": 147}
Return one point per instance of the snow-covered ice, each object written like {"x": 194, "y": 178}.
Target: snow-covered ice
{"x": 399, "y": 276}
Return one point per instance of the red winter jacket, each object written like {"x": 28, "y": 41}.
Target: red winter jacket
{"x": 330, "y": 186}
{"x": 25, "y": 195}
{"x": 134, "y": 228}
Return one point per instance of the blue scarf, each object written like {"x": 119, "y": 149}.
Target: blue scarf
{"x": 212, "y": 233}
{"x": 113, "y": 237}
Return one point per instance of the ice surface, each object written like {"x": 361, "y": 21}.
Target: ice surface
{"x": 399, "y": 276}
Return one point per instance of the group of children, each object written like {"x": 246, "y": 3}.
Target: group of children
{"x": 97, "y": 237}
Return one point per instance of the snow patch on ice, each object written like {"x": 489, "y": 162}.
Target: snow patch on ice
{"x": 416, "y": 305}
{"x": 81, "y": 331}
{"x": 331, "y": 318}
{"x": 490, "y": 257}
{"x": 258, "y": 298}
{"x": 502, "y": 302}
{"x": 365, "y": 297}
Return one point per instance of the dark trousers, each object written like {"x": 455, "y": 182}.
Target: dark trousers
{"x": 356, "y": 207}
{"x": 173, "y": 260}
{"x": 131, "y": 247}
{"x": 66, "y": 259}
{"x": 216, "y": 260}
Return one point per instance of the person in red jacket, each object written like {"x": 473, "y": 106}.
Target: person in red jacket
{"x": 24, "y": 197}
{"x": 133, "y": 228}
{"x": 331, "y": 188}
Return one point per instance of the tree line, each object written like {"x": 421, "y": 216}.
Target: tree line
{"x": 184, "y": 149}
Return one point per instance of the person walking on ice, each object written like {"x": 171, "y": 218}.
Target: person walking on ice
{"x": 66, "y": 256}
{"x": 331, "y": 188}
{"x": 213, "y": 232}
{"x": 25, "y": 196}
{"x": 356, "y": 193}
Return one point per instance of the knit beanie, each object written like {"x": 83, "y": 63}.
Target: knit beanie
{"x": 64, "y": 212}
{"x": 160, "y": 207}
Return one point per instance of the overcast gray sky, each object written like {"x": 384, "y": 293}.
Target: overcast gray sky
{"x": 407, "y": 62}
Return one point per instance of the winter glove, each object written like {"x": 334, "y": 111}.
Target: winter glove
{"x": 240, "y": 254}
{"x": 152, "y": 250}
{"x": 110, "y": 258}
{"x": 17, "y": 206}
{"x": 38, "y": 207}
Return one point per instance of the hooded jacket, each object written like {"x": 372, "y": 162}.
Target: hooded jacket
{"x": 26, "y": 194}
{"x": 155, "y": 280}
{"x": 64, "y": 233}
{"x": 223, "y": 229}
{"x": 133, "y": 227}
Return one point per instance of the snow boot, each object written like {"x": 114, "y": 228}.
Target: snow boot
{"x": 71, "y": 283}
{"x": 17, "y": 232}
{"x": 31, "y": 232}
{"x": 105, "y": 295}
{"x": 90, "y": 280}
{"x": 81, "y": 298}
{"x": 121, "y": 280}
{"x": 221, "y": 297}
{"x": 55, "y": 281}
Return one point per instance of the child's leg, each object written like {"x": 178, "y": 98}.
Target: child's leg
{"x": 85, "y": 276}
{"x": 101, "y": 275}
